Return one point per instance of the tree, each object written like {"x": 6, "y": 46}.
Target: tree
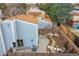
{"x": 3, "y": 6}
{"x": 57, "y": 11}
{"x": 23, "y": 8}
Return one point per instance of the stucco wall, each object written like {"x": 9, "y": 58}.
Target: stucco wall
{"x": 44, "y": 24}
{"x": 2, "y": 47}
{"x": 21, "y": 30}
{"x": 7, "y": 34}
{"x": 28, "y": 33}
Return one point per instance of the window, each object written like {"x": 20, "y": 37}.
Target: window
{"x": 14, "y": 44}
{"x": 20, "y": 43}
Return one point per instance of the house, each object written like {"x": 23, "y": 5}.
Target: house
{"x": 75, "y": 14}
{"x": 75, "y": 21}
{"x": 20, "y": 32}
{"x": 27, "y": 30}
{"x": 43, "y": 19}
{"x": 35, "y": 11}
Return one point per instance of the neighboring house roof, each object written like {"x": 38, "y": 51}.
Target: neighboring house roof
{"x": 74, "y": 12}
{"x": 27, "y": 18}
{"x": 35, "y": 14}
{"x": 35, "y": 9}
{"x": 38, "y": 13}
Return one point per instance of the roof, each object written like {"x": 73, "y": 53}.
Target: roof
{"x": 34, "y": 9}
{"x": 32, "y": 16}
{"x": 74, "y": 12}
{"x": 37, "y": 13}
{"x": 27, "y": 18}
